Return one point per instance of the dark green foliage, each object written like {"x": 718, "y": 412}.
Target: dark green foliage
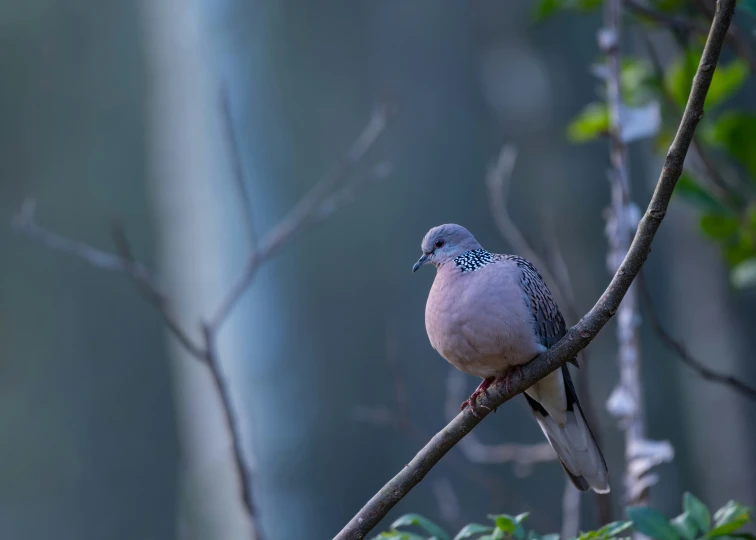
{"x": 695, "y": 523}
{"x": 721, "y": 183}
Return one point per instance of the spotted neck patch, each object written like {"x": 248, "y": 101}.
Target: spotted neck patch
{"x": 474, "y": 259}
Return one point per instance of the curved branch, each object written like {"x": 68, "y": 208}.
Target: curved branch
{"x": 580, "y": 335}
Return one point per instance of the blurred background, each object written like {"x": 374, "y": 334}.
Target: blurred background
{"x": 112, "y": 114}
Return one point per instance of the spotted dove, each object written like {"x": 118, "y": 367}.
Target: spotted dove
{"x": 488, "y": 314}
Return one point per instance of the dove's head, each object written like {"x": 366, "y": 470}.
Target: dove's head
{"x": 444, "y": 243}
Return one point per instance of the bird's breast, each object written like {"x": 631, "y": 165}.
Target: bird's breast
{"x": 480, "y": 325}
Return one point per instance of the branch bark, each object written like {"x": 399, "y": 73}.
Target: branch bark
{"x": 580, "y": 335}
{"x": 626, "y": 401}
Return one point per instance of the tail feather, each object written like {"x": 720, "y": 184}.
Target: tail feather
{"x": 555, "y": 405}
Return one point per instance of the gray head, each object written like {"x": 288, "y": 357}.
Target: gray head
{"x": 444, "y": 243}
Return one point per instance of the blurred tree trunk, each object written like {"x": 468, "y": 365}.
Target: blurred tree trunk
{"x": 192, "y": 192}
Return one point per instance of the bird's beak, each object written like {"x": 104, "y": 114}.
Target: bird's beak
{"x": 421, "y": 261}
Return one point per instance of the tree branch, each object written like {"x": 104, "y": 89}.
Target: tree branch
{"x": 232, "y": 141}
{"x": 626, "y": 400}
{"x": 324, "y": 199}
{"x": 580, "y": 335}
{"x": 557, "y": 276}
{"x": 682, "y": 352}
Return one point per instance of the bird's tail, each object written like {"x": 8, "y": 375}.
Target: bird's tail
{"x": 555, "y": 406}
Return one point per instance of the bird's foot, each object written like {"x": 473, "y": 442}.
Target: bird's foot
{"x": 508, "y": 376}
{"x": 481, "y": 389}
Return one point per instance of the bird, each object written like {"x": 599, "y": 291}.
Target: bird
{"x": 488, "y": 314}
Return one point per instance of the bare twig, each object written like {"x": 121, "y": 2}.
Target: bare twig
{"x": 144, "y": 280}
{"x": 498, "y": 182}
{"x": 555, "y": 272}
{"x": 682, "y": 352}
{"x": 238, "y": 168}
{"x": 580, "y": 335}
{"x": 243, "y": 470}
{"x": 327, "y": 196}
{"x": 626, "y": 401}
{"x": 310, "y": 206}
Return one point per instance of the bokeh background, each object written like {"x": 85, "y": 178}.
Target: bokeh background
{"x": 111, "y": 113}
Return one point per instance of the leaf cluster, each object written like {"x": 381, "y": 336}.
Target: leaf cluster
{"x": 694, "y": 523}
{"x": 721, "y": 184}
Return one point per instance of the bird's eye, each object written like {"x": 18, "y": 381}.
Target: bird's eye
{"x": 440, "y": 243}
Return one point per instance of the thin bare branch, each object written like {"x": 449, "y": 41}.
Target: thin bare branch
{"x": 580, "y": 335}
{"x": 144, "y": 280}
{"x": 309, "y": 207}
{"x": 322, "y": 201}
{"x": 626, "y": 401}
{"x": 237, "y": 166}
{"x": 243, "y": 469}
{"x": 555, "y": 271}
{"x": 682, "y": 352}
{"x": 498, "y": 182}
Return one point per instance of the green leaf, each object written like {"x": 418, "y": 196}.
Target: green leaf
{"x": 519, "y": 532}
{"x": 546, "y": 9}
{"x": 471, "y": 530}
{"x": 669, "y": 5}
{"x": 690, "y": 190}
{"x": 636, "y": 75}
{"x": 614, "y": 528}
{"x": 678, "y": 78}
{"x": 651, "y": 523}
{"x": 419, "y": 521}
{"x": 504, "y": 523}
{"x": 685, "y": 526}
{"x": 736, "y": 132}
{"x": 398, "y": 535}
{"x": 590, "y": 123}
{"x": 728, "y": 519}
{"x": 739, "y": 251}
{"x": 719, "y": 226}
{"x": 552, "y": 536}
{"x": 588, "y": 5}
{"x": 698, "y": 511}
{"x": 726, "y": 81}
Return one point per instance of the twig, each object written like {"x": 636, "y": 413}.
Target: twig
{"x": 735, "y": 38}
{"x": 498, "y": 182}
{"x": 682, "y": 352}
{"x": 311, "y": 205}
{"x": 626, "y": 401}
{"x": 310, "y": 210}
{"x": 555, "y": 272}
{"x": 144, "y": 280}
{"x": 243, "y": 470}
{"x": 238, "y": 168}
{"x": 580, "y": 335}
{"x": 603, "y": 502}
